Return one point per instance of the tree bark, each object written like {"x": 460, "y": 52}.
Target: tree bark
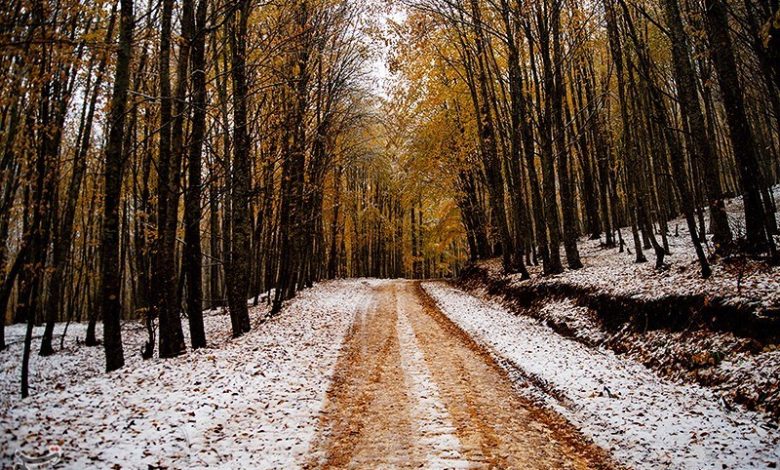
{"x": 238, "y": 280}
{"x": 192, "y": 205}
{"x": 740, "y": 134}
{"x": 110, "y": 269}
{"x": 692, "y": 113}
{"x": 570, "y": 232}
{"x": 512, "y": 260}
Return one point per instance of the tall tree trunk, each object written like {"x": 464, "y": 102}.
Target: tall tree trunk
{"x": 629, "y": 149}
{"x": 192, "y": 209}
{"x": 110, "y": 269}
{"x": 293, "y": 167}
{"x": 171, "y": 337}
{"x": 740, "y": 134}
{"x": 214, "y": 252}
{"x": 590, "y": 193}
{"x": 602, "y": 149}
{"x": 551, "y": 216}
{"x": 692, "y": 113}
{"x": 164, "y": 274}
{"x": 238, "y": 280}
{"x": 570, "y": 232}
{"x": 686, "y": 89}
{"x": 333, "y": 259}
{"x": 512, "y": 260}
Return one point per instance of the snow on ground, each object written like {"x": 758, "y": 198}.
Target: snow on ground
{"x": 252, "y": 402}
{"x": 738, "y": 369}
{"x": 612, "y": 272}
{"x": 644, "y": 421}
{"x": 581, "y": 322}
{"x": 76, "y": 362}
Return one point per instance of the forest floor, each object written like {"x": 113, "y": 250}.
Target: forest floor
{"x": 741, "y": 280}
{"x": 251, "y": 402}
{"x": 374, "y": 374}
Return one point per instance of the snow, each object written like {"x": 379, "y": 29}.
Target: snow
{"x": 643, "y": 420}
{"x": 434, "y": 425}
{"x": 608, "y": 271}
{"x": 251, "y": 402}
{"x": 739, "y": 370}
{"x": 255, "y": 401}
{"x": 580, "y": 321}
{"x": 735, "y": 366}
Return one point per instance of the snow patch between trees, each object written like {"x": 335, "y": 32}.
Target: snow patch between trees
{"x": 252, "y": 402}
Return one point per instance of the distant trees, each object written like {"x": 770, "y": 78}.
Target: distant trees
{"x": 596, "y": 126}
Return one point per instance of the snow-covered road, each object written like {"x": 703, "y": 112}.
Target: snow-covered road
{"x": 411, "y": 391}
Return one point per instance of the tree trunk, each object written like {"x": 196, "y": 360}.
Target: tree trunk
{"x": 110, "y": 269}
{"x": 164, "y": 274}
{"x": 740, "y": 134}
{"x": 512, "y": 262}
{"x": 570, "y": 232}
{"x": 333, "y": 259}
{"x": 692, "y": 113}
{"x": 192, "y": 209}
{"x": 238, "y": 280}
{"x": 547, "y": 137}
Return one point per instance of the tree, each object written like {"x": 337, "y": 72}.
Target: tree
{"x": 739, "y": 130}
{"x": 237, "y": 273}
{"x": 192, "y": 206}
{"x": 110, "y": 271}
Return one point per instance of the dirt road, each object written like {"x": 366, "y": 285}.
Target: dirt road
{"x": 412, "y": 391}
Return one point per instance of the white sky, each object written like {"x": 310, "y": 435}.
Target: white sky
{"x": 379, "y": 72}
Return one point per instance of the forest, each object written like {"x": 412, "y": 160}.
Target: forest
{"x": 164, "y": 161}
{"x": 159, "y": 159}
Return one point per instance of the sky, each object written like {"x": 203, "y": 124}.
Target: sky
{"x": 380, "y": 75}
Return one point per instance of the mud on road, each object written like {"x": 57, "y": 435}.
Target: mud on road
{"x": 411, "y": 390}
